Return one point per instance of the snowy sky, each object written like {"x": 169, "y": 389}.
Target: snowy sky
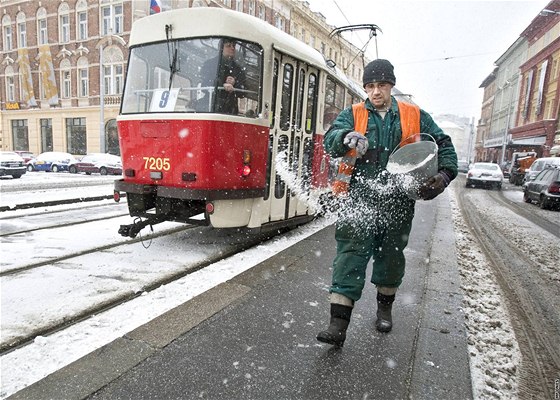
{"x": 441, "y": 50}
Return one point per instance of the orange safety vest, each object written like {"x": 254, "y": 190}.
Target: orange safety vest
{"x": 410, "y": 125}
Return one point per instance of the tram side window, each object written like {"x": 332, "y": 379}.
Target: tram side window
{"x": 274, "y": 93}
{"x": 311, "y": 113}
{"x": 307, "y": 164}
{"x": 279, "y": 184}
{"x": 300, "y": 96}
{"x": 334, "y": 102}
{"x": 285, "y": 107}
{"x": 186, "y": 76}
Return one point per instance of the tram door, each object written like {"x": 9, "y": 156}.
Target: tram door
{"x": 291, "y": 136}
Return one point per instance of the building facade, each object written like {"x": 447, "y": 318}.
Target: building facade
{"x": 482, "y": 153}
{"x": 521, "y": 103}
{"x": 538, "y": 115}
{"x": 63, "y": 64}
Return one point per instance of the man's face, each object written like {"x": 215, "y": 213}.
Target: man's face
{"x": 379, "y": 93}
{"x": 229, "y": 49}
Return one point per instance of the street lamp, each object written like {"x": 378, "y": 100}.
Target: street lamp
{"x": 546, "y": 12}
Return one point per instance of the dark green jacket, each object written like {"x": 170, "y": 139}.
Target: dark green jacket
{"x": 384, "y": 136}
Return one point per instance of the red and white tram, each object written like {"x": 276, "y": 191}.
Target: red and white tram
{"x": 185, "y": 153}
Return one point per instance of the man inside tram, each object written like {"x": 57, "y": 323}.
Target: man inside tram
{"x": 224, "y": 73}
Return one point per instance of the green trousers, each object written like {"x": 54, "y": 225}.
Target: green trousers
{"x": 384, "y": 243}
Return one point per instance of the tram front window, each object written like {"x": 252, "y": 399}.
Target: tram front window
{"x": 217, "y": 75}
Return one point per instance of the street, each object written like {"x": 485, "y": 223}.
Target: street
{"x": 80, "y": 266}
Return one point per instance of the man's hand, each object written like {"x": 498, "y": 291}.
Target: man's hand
{"x": 434, "y": 186}
{"x": 228, "y": 84}
{"x": 355, "y": 140}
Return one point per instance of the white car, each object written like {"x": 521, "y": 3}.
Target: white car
{"x": 485, "y": 174}
{"x": 54, "y": 161}
{"x": 11, "y": 164}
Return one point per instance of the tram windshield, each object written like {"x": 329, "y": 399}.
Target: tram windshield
{"x": 218, "y": 75}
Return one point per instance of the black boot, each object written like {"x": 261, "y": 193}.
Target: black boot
{"x": 384, "y": 321}
{"x": 336, "y": 332}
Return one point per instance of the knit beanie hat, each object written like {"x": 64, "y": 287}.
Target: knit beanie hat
{"x": 379, "y": 71}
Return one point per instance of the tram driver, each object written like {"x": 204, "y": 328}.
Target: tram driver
{"x": 229, "y": 77}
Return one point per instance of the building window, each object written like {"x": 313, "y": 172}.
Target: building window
{"x": 65, "y": 79}
{"x": 10, "y": 85}
{"x": 66, "y": 84}
{"x": 113, "y": 71}
{"x": 112, "y": 19}
{"x": 83, "y": 77}
{"x": 64, "y": 28}
{"x": 64, "y": 23}
{"x": 279, "y": 22}
{"x": 82, "y": 26}
{"x": 239, "y": 5}
{"x": 22, "y": 30}
{"x": 262, "y": 14}
{"x": 42, "y": 34}
{"x": 252, "y": 7}
{"x": 46, "y": 135}
{"x": 113, "y": 75}
{"x": 7, "y": 30}
{"x": 20, "y": 134}
{"x": 76, "y": 135}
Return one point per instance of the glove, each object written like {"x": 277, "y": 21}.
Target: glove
{"x": 355, "y": 140}
{"x": 434, "y": 186}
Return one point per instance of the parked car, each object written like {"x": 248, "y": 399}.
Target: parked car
{"x": 485, "y": 174}
{"x": 506, "y": 167}
{"x": 26, "y": 155}
{"x": 544, "y": 189}
{"x": 11, "y": 164}
{"x": 101, "y": 163}
{"x": 538, "y": 165}
{"x": 54, "y": 161}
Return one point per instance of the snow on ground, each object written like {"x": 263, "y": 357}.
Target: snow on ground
{"x": 493, "y": 349}
{"x": 24, "y": 366}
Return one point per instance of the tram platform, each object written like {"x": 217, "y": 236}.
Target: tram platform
{"x": 253, "y": 337}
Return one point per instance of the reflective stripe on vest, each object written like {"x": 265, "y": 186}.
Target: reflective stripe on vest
{"x": 410, "y": 127}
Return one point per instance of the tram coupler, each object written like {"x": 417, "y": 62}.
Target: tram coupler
{"x": 132, "y": 230}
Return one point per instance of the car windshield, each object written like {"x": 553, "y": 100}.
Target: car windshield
{"x": 188, "y": 76}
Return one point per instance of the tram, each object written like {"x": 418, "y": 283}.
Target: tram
{"x": 200, "y": 147}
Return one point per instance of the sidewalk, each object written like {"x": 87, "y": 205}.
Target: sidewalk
{"x": 254, "y": 336}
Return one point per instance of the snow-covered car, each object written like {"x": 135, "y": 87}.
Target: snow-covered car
{"x": 102, "y": 163}
{"x": 26, "y": 155}
{"x": 538, "y": 165}
{"x": 544, "y": 189}
{"x": 11, "y": 164}
{"x": 54, "y": 161}
{"x": 485, "y": 174}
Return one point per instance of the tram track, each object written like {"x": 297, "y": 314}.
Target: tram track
{"x": 94, "y": 309}
{"x": 58, "y": 225}
{"x": 530, "y": 295}
{"x": 96, "y": 249}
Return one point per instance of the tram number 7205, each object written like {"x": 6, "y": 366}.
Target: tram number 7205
{"x": 156, "y": 163}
